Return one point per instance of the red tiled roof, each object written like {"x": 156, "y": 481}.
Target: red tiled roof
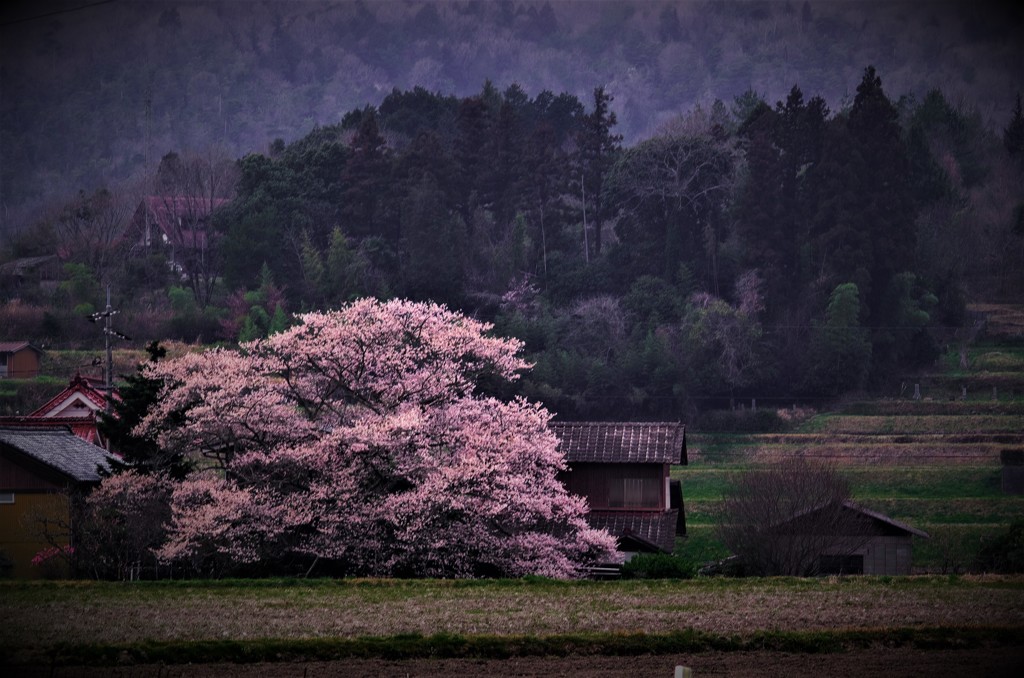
{"x": 78, "y": 385}
{"x": 621, "y": 442}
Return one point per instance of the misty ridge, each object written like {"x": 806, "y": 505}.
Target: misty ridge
{"x": 94, "y": 95}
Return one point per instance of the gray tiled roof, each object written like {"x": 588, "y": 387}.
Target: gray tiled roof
{"x": 59, "y": 449}
{"x": 620, "y": 442}
{"x": 650, "y": 527}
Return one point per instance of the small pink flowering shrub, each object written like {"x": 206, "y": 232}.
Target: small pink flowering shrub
{"x": 54, "y": 561}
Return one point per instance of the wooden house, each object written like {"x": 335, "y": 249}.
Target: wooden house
{"x": 42, "y": 271}
{"x": 19, "y": 360}
{"x": 42, "y": 469}
{"x": 869, "y": 542}
{"x": 179, "y": 225}
{"x": 76, "y": 407}
{"x": 622, "y": 469}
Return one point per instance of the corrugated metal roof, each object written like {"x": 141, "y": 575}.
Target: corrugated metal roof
{"x": 620, "y": 442}
{"x": 59, "y": 449}
{"x": 15, "y": 346}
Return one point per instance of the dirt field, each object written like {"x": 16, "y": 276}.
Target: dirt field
{"x": 892, "y": 663}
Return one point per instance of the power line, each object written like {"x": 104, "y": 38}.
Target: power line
{"x": 58, "y": 12}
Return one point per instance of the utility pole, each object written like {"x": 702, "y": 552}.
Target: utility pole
{"x": 108, "y": 332}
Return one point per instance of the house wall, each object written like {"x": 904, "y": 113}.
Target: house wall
{"x": 23, "y": 364}
{"x": 20, "y": 516}
{"x": 881, "y": 554}
{"x": 26, "y": 499}
{"x": 619, "y": 486}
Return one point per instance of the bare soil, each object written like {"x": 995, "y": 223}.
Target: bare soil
{"x": 892, "y": 663}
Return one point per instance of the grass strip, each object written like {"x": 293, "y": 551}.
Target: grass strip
{"x": 451, "y": 646}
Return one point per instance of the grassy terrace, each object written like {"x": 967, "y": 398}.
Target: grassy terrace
{"x": 934, "y": 464}
{"x": 95, "y": 622}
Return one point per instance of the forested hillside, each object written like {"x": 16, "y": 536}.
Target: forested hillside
{"x": 746, "y": 249}
{"x": 674, "y": 204}
{"x": 94, "y": 93}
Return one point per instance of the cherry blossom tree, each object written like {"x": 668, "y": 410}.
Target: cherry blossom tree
{"x": 361, "y": 437}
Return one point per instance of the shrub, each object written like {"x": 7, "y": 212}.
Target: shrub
{"x": 658, "y": 566}
{"x": 1005, "y": 552}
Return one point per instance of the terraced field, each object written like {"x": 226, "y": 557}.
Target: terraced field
{"x": 933, "y": 463}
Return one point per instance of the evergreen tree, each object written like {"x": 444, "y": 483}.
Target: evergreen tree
{"x": 598, "y": 148}
{"x": 140, "y": 453}
{"x": 365, "y": 179}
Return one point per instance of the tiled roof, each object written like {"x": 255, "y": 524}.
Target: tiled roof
{"x": 57, "y": 448}
{"x": 83, "y": 427}
{"x": 88, "y": 388}
{"x": 647, "y": 528}
{"x": 621, "y": 442}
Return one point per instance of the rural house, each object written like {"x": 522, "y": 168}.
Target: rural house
{"x": 622, "y": 469}
{"x": 77, "y": 407}
{"x": 41, "y": 471}
{"x": 869, "y": 543}
{"x": 19, "y": 360}
{"x": 179, "y": 223}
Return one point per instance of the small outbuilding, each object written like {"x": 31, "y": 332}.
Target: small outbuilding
{"x": 19, "y": 360}
{"x": 868, "y": 542}
{"x": 622, "y": 469}
{"x": 42, "y": 471}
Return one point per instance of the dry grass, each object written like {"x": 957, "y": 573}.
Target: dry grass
{"x": 37, "y": 616}
{"x": 932, "y": 424}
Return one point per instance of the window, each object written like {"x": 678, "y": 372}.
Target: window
{"x": 6, "y": 497}
{"x": 635, "y": 493}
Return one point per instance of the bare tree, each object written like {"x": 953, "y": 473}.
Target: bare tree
{"x": 188, "y": 190}
{"x": 89, "y": 230}
{"x": 782, "y": 519}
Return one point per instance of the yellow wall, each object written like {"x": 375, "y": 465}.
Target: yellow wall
{"x": 20, "y": 536}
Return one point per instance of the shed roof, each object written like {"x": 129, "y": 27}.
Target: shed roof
{"x": 57, "y": 448}
{"x": 622, "y": 442}
{"x": 15, "y": 346}
{"x": 857, "y": 508}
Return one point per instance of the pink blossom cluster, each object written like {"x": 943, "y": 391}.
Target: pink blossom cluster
{"x": 359, "y": 436}
{"x": 51, "y": 552}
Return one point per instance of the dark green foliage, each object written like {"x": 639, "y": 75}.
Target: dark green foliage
{"x": 840, "y": 349}
{"x": 138, "y": 393}
{"x": 466, "y": 200}
{"x": 1004, "y": 553}
{"x": 658, "y": 566}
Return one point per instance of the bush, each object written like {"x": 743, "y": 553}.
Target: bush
{"x": 1005, "y": 552}
{"x": 658, "y": 566}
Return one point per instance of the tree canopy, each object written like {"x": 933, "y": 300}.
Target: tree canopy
{"x": 362, "y": 437}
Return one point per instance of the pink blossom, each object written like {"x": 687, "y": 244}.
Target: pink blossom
{"x": 358, "y": 435}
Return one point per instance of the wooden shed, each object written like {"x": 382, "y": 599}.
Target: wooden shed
{"x": 41, "y": 470}
{"x": 622, "y": 469}
{"x": 19, "y": 360}
{"x": 870, "y": 543}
